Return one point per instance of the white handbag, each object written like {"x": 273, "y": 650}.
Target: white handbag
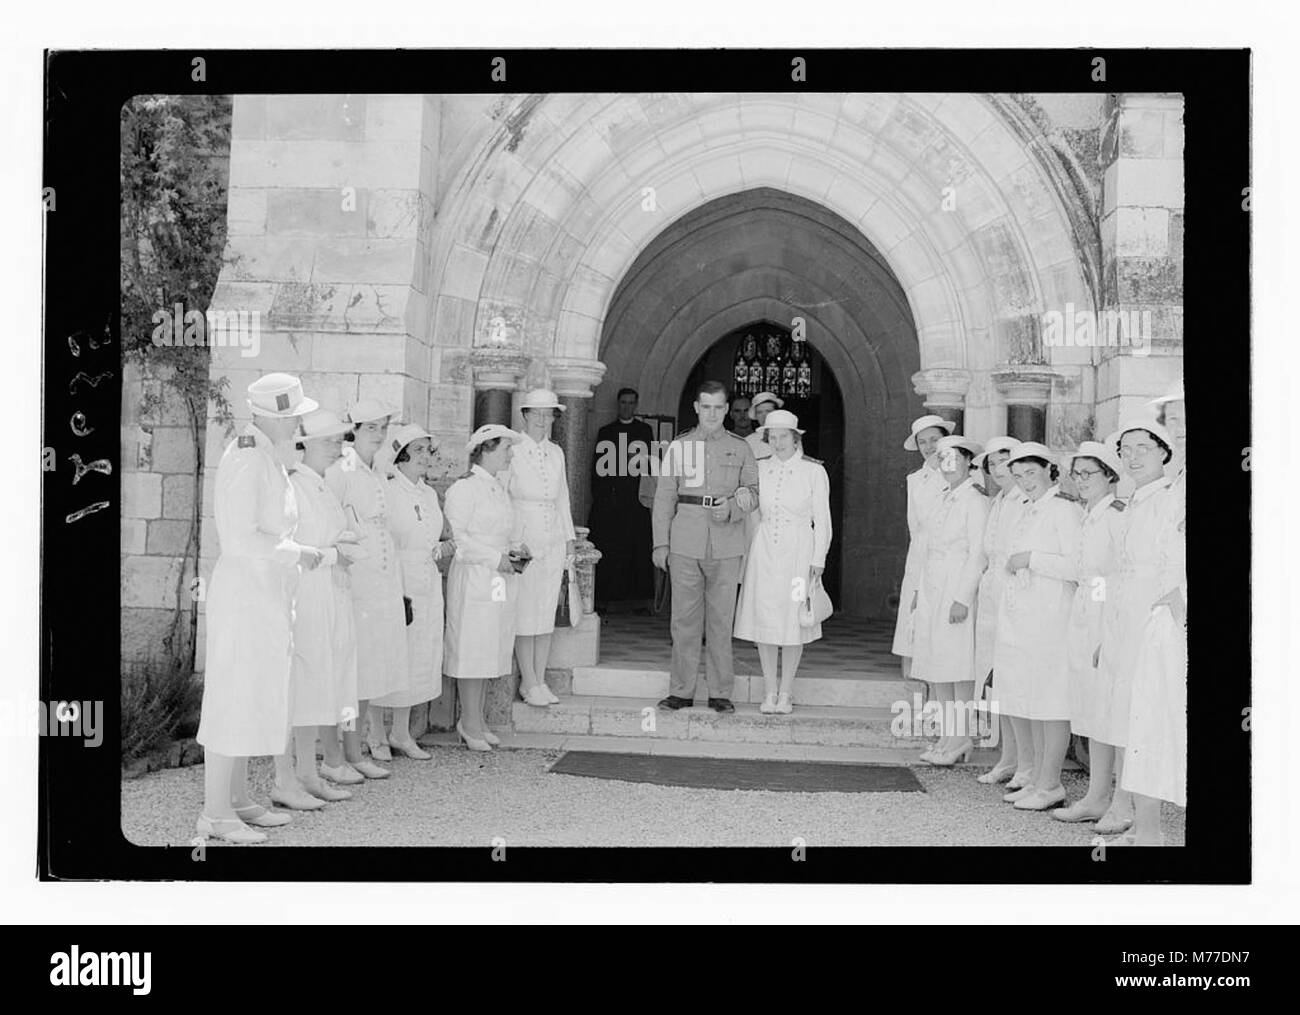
{"x": 817, "y": 607}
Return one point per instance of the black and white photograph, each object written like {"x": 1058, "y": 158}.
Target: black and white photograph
{"x": 763, "y": 465}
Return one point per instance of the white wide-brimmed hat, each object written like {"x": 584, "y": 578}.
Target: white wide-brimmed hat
{"x": 759, "y": 399}
{"x": 780, "y": 419}
{"x": 321, "y": 423}
{"x": 996, "y": 444}
{"x": 1174, "y": 394}
{"x": 368, "y": 410}
{"x": 924, "y": 423}
{"x": 397, "y": 439}
{"x": 280, "y": 396}
{"x": 1147, "y": 423}
{"x": 959, "y": 441}
{"x": 541, "y": 398}
{"x": 1095, "y": 449}
{"x": 491, "y": 431}
{"x": 1032, "y": 449}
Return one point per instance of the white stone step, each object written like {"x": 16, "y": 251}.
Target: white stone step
{"x": 588, "y": 715}
{"x": 850, "y": 689}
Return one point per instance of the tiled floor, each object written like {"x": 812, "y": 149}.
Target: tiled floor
{"x": 847, "y": 648}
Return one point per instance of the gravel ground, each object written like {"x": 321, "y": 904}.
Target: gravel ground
{"x": 465, "y": 799}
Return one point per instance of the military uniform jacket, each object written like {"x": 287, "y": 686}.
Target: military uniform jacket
{"x": 699, "y": 466}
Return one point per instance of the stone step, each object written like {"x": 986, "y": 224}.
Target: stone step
{"x": 664, "y": 746}
{"x": 589, "y": 715}
{"x": 848, "y": 689}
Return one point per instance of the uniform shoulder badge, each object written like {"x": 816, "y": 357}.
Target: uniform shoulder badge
{"x": 1117, "y": 505}
{"x": 732, "y": 433}
{"x": 246, "y": 441}
{"x": 1061, "y": 494}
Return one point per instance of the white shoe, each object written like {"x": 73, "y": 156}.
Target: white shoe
{"x": 491, "y": 737}
{"x": 536, "y": 697}
{"x": 783, "y": 705}
{"x": 769, "y": 705}
{"x": 344, "y": 774}
{"x": 549, "y": 694}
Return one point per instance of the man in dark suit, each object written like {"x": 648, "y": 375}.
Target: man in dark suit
{"x": 619, "y": 522}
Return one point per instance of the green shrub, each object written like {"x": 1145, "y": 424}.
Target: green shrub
{"x": 160, "y": 701}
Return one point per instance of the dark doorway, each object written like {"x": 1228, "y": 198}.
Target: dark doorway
{"x": 821, "y": 412}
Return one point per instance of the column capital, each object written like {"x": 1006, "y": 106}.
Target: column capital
{"x": 1024, "y": 385}
{"x": 574, "y": 378}
{"x": 497, "y": 368}
{"x": 942, "y": 386}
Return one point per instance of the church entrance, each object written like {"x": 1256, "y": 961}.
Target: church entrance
{"x": 771, "y": 360}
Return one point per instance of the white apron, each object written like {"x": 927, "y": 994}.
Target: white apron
{"x": 997, "y": 530}
{"x": 539, "y": 492}
{"x": 415, "y": 520}
{"x": 480, "y": 633}
{"x": 249, "y": 606}
{"x": 925, "y": 488}
{"x": 1144, "y": 571}
{"x": 377, "y": 609}
{"x": 793, "y": 535}
{"x": 324, "y": 690}
{"x": 953, "y": 548}
{"x": 1155, "y": 758}
{"x": 1030, "y": 667}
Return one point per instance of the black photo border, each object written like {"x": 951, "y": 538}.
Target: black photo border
{"x": 79, "y": 830}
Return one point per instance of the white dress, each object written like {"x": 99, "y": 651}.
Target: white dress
{"x": 997, "y": 530}
{"x": 415, "y": 520}
{"x": 380, "y": 617}
{"x": 953, "y": 548}
{"x": 793, "y": 535}
{"x": 324, "y": 641}
{"x": 250, "y": 603}
{"x": 480, "y": 634}
{"x": 1155, "y": 759}
{"x": 1030, "y": 666}
{"x": 1147, "y": 567}
{"x": 925, "y": 488}
{"x": 540, "y": 494}
{"x": 1091, "y": 565}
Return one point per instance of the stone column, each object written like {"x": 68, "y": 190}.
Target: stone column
{"x": 497, "y": 372}
{"x": 944, "y": 390}
{"x": 572, "y": 381}
{"x": 1026, "y": 391}
{"x": 1140, "y": 337}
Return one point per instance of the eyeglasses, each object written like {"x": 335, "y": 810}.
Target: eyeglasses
{"x": 1082, "y": 474}
{"x": 1136, "y": 450}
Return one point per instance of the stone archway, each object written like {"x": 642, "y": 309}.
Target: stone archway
{"x": 768, "y": 255}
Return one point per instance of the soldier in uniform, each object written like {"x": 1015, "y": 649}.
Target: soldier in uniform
{"x": 708, "y": 482}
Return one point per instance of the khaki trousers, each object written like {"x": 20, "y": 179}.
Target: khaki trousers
{"x": 704, "y": 599}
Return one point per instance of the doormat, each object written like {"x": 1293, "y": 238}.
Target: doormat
{"x": 739, "y": 773}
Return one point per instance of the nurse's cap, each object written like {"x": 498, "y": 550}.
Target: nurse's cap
{"x": 780, "y": 419}
{"x": 280, "y": 396}
{"x": 1174, "y": 394}
{"x": 1104, "y": 453}
{"x": 491, "y": 431}
{"x": 958, "y": 441}
{"x": 924, "y": 423}
{"x": 1032, "y": 449}
{"x": 1147, "y": 423}
{"x": 321, "y": 423}
{"x": 397, "y": 439}
{"x": 368, "y": 410}
{"x": 996, "y": 444}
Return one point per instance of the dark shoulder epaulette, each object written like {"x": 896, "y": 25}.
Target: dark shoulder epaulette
{"x": 732, "y": 433}
{"x": 815, "y": 461}
{"x": 246, "y": 441}
{"x": 1117, "y": 505}
{"x": 1062, "y": 495}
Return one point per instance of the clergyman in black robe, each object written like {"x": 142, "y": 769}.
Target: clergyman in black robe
{"x": 619, "y": 522}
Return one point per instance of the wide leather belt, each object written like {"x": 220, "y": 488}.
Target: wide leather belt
{"x": 708, "y": 501}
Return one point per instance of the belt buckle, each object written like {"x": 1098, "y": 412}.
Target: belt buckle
{"x": 711, "y": 501}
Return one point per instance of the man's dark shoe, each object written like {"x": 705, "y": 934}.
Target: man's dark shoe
{"x": 721, "y": 705}
{"x": 673, "y": 702}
